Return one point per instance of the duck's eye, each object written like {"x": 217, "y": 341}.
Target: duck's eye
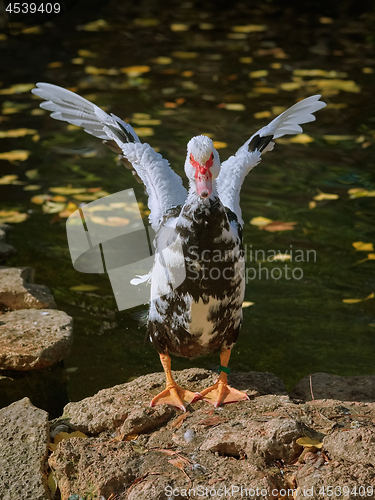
{"x": 212, "y": 156}
{"x": 191, "y": 157}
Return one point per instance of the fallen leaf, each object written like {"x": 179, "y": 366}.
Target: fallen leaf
{"x": 246, "y": 60}
{"x": 144, "y": 131}
{"x": 86, "y": 53}
{"x": 176, "y": 424}
{"x": 368, "y": 71}
{"x": 220, "y": 145}
{"x": 100, "y": 24}
{"x": 18, "y": 88}
{"x": 39, "y": 199}
{"x": 325, "y": 196}
{"x": 258, "y": 74}
{"x": 312, "y": 204}
{"x": 179, "y": 27}
{"x": 206, "y": 26}
{"x": 260, "y": 221}
{"x": 279, "y": 226}
{"x": 262, "y": 114}
{"x": 92, "y": 70}
{"x": 355, "y": 301}
{"x": 69, "y": 210}
{"x": 235, "y": 107}
{"x": 297, "y": 139}
{"x": 360, "y": 193}
{"x": 281, "y": 256}
{"x": 162, "y": 60}
{"x": 8, "y": 179}
{"x": 363, "y": 247}
{"x": 337, "y": 138}
{"x": 307, "y": 442}
{"x": 12, "y": 216}
{"x": 247, "y": 304}
{"x": 20, "y": 155}
{"x": 52, "y": 484}
{"x": 84, "y": 288}
{"x": 67, "y": 190}
{"x": 32, "y": 187}
{"x": 19, "y": 132}
{"x": 135, "y": 70}
{"x": 51, "y": 207}
{"x": 249, "y": 28}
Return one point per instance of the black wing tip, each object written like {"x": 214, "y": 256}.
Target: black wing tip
{"x": 259, "y": 143}
{"x": 122, "y": 134}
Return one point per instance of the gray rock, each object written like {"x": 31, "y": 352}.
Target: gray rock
{"x": 327, "y": 386}
{"x": 109, "y": 408}
{"x": 24, "y": 441}
{"x": 353, "y": 445}
{"x": 17, "y": 290}
{"x": 31, "y": 339}
{"x": 6, "y": 251}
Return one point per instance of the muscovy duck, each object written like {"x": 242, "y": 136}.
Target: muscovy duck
{"x": 202, "y": 314}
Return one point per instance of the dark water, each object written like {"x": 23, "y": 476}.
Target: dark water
{"x": 296, "y": 326}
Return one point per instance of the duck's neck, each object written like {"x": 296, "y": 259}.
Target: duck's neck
{"x": 193, "y": 199}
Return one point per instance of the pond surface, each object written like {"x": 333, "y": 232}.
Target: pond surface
{"x": 225, "y": 72}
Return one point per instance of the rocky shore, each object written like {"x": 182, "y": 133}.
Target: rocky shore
{"x": 114, "y": 446}
{"x": 316, "y": 442}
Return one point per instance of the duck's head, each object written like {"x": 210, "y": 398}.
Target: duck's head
{"x": 202, "y": 164}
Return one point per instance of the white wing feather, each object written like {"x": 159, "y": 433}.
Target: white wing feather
{"x": 163, "y": 185}
{"x": 234, "y": 170}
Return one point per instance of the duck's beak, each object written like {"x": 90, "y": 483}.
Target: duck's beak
{"x": 204, "y": 184}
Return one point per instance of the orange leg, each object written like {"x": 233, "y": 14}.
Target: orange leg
{"x": 173, "y": 394}
{"x": 221, "y": 392}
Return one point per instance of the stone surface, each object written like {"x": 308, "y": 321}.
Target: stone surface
{"x": 34, "y": 338}
{"x": 109, "y": 408}
{"x": 141, "y": 453}
{"x": 17, "y": 290}
{"x": 24, "y": 438}
{"x": 327, "y": 386}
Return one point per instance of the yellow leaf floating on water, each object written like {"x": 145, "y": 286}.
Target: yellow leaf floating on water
{"x": 162, "y": 60}
{"x": 144, "y": 131}
{"x": 12, "y": 216}
{"x": 235, "y": 106}
{"x": 83, "y": 288}
{"x": 249, "y": 28}
{"x": 246, "y": 60}
{"x": 86, "y": 53}
{"x": 100, "y": 24}
{"x": 92, "y": 70}
{"x": 355, "y": 301}
{"x": 363, "y": 247}
{"x": 260, "y": 221}
{"x": 69, "y": 210}
{"x": 278, "y": 225}
{"x": 258, "y": 74}
{"x": 262, "y": 114}
{"x": 220, "y": 145}
{"x": 19, "y": 154}
{"x": 8, "y": 179}
{"x": 142, "y": 121}
{"x": 135, "y": 70}
{"x": 179, "y": 27}
{"x": 39, "y": 199}
{"x": 18, "y": 88}
{"x": 67, "y": 190}
{"x": 51, "y": 207}
{"x": 297, "y": 139}
{"x": 338, "y": 138}
{"x": 307, "y": 442}
{"x": 360, "y": 193}
{"x": 281, "y": 256}
{"x": 247, "y": 304}
{"x": 325, "y": 196}
{"x": 19, "y": 132}
{"x": 32, "y": 187}
{"x": 312, "y": 204}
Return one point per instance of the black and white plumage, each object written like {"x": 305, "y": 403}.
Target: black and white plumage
{"x": 204, "y": 313}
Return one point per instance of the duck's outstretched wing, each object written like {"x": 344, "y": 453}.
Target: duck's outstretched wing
{"x": 234, "y": 170}
{"x": 164, "y": 187}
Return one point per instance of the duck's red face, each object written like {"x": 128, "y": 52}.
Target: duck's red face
{"x": 203, "y": 176}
